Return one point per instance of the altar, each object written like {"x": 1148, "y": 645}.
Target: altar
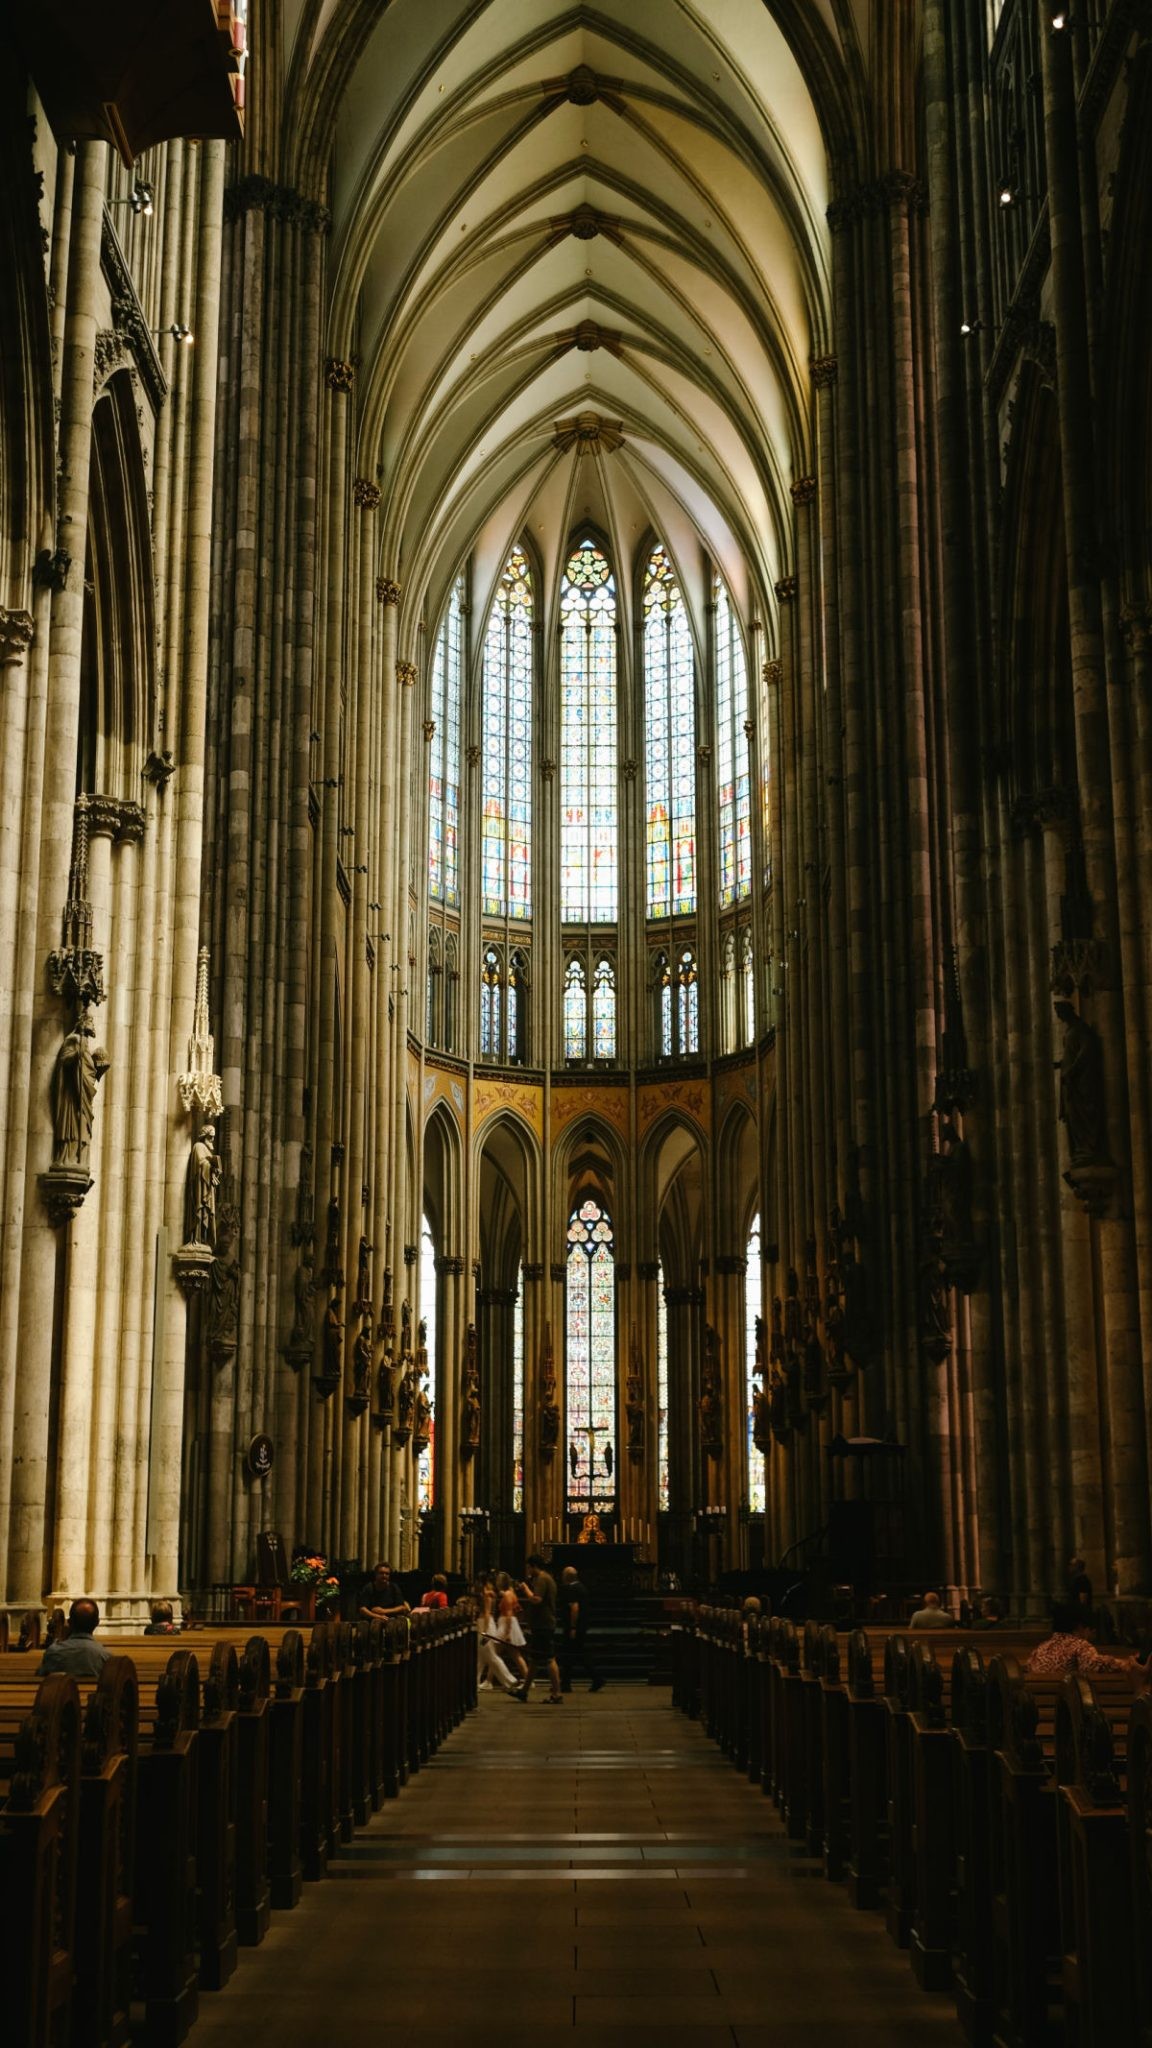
{"x": 593, "y": 1560}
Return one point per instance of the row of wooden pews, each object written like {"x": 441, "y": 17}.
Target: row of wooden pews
{"x": 1000, "y": 1821}
{"x": 153, "y": 1817}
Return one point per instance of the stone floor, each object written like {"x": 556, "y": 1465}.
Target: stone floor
{"x": 596, "y": 1872}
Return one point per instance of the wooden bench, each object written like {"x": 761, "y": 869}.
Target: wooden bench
{"x": 40, "y": 1759}
{"x": 1139, "y": 1748}
{"x": 1097, "y": 1929}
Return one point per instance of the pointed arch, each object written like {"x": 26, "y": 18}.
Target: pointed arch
{"x": 589, "y": 802}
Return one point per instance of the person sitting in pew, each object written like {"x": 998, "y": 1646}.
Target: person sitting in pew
{"x": 1071, "y": 1647}
{"x": 77, "y": 1653}
{"x": 437, "y": 1594}
{"x": 992, "y": 1612}
{"x": 160, "y": 1621}
{"x": 931, "y": 1615}
{"x": 379, "y": 1597}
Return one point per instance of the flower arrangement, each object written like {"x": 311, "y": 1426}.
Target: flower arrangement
{"x": 311, "y": 1569}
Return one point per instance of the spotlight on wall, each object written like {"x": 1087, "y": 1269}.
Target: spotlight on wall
{"x": 1006, "y": 192}
{"x": 140, "y": 199}
{"x": 968, "y": 327}
{"x": 178, "y": 331}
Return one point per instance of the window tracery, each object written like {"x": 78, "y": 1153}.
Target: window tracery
{"x": 757, "y": 1493}
{"x": 590, "y": 1360}
{"x": 734, "y": 791}
{"x": 589, "y": 807}
{"x": 506, "y": 838}
{"x": 505, "y": 977}
{"x": 444, "y": 767}
{"x": 670, "y": 744}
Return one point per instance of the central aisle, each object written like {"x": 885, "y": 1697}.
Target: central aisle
{"x": 595, "y": 1871}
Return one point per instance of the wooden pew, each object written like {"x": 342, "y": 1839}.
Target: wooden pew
{"x": 165, "y": 1920}
{"x": 1139, "y": 1748}
{"x": 835, "y": 1766}
{"x": 40, "y": 1754}
{"x": 106, "y": 1855}
{"x": 971, "y": 1779}
{"x": 1096, "y": 1922}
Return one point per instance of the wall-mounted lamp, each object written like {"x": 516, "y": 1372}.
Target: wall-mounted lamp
{"x": 140, "y": 199}
{"x": 968, "y": 327}
{"x": 178, "y": 331}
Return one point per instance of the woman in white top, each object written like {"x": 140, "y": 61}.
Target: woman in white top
{"x": 493, "y": 1670}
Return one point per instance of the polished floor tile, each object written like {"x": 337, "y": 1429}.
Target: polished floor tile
{"x": 599, "y": 1873}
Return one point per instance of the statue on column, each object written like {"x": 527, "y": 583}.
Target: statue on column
{"x": 470, "y": 1393}
{"x": 363, "y": 1299}
{"x": 303, "y": 1294}
{"x": 711, "y": 1414}
{"x": 223, "y": 1323}
{"x": 422, "y": 1418}
{"x": 332, "y": 1368}
{"x": 405, "y": 1404}
{"x": 204, "y": 1175}
{"x": 80, "y": 1067}
{"x": 361, "y": 1367}
{"x": 1081, "y": 1070}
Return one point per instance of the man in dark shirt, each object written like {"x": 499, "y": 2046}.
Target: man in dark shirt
{"x": 574, "y": 1617}
{"x": 77, "y": 1653}
{"x": 379, "y": 1597}
{"x": 538, "y": 1594}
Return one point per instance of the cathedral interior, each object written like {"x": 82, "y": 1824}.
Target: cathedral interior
{"x": 576, "y": 829}
{"x": 576, "y": 967}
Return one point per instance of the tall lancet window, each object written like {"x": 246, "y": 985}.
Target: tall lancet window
{"x": 669, "y": 744}
{"x": 444, "y": 770}
{"x": 426, "y": 1463}
{"x": 518, "y": 1397}
{"x": 734, "y": 792}
{"x": 757, "y": 1492}
{"x": 506, "y": 855}
{"x": 590, "y": 1361}
{"x": 588, "y": 797}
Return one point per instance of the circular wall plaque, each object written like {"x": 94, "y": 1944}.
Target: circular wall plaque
{"x": 258, "y": 1457}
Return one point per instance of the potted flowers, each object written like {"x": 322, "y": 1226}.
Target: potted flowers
{"x": 315, "y": 1582}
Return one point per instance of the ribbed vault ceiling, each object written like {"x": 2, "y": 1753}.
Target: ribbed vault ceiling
{"x": 545, "y": 211}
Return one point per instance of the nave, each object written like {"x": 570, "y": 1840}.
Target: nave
{"x": 600, "y": 1873}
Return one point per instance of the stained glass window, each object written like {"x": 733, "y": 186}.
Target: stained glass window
{"x": 506, "y": 792}
{"x": 575, "y": 1011}
{"x": 451, "y": 989}
{"x": 663, "y": 1490}
{"x": 669, "y": 744}
{"x": 426, "y": 1463}
{"x": 444, "y": 767}
{"x": 588, "y": 797}
{"x": 490, "y": 993}
{"x": 518, "y": 1398}
{"x": 590, "y": 1361}
{"x": 516, "y": 1006}
{"x": 687, "y": 1004}
{"x": 603, "y": 1011}
{"x": 732, "y": 751}
{"x": 435, "y": 977}
{"x": 752, "y": 1308}
{"x": 728, "y": 991}
{"x": 677, "y": 995}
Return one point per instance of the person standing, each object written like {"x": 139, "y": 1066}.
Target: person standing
{"x": 538, "y": 1592}
{"x": 77, "y": 1653}
{"x": 574, "y": 1618}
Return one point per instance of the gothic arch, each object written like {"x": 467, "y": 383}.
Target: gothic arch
{"x": 737, "y": 1177}
{"x": 27, "y": 465}
{"x": 117, "y": 664}
{"x": 442, "y": 1181}
{"x": 508, "y": 1178}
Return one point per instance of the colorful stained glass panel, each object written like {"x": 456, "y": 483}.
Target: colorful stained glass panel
{"x": 590, "y": 1361}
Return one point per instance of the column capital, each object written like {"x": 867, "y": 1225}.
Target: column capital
{"x": 406, "y": 674}
{"x": 786, "y": 589}
{"x": 429, "y": 728}
{"x": 773, "y": 674}
{"x": 110, "y": 817}
{"x": 803, "y": 492}
{"x": 16, "y": 630}
{"x": 365, "y": 493}
{"x": 1135, "y": 624}
{"x": 648, "y": 1269}
{"x": 387, "y": 592}
{"x": 825, "y": 371}
{"x": 533, "y": 1272}
{"x": 339, "y": 373}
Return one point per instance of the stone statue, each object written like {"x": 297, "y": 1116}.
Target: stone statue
{"x": 333, "y": 1341}
{"x": 573, "y": 1459}
{"x": 204, "y": 1176}
{"x": 761, "y": 1420}
{"x": 405, "y": 1325}
{"x": 778, "y": 1407}
{"x": 635, "y": 1414}
{"x": 303, "y": 1292}
{"x": 470, "y": 1389}
{"x": 549, "y": 1426}
{"x": 1081, "y": 1068}
{"x": 405, "y": 1403}
{"x": 362, "y": 1361}
{"x": 80, "y": 1067}
{"x": 953, "y": 1176}
{"x": 711, "y": 1421}
{"x": 776, "y": 1340}
{"x": 386, "y": 1387}
{"x": 224, "y": 1290}
{"x": 793, "y": 1314}
{"x": 935, "y": 1320}
{"x": 363, "y": 1275}
{"x": 422, "y": 1421}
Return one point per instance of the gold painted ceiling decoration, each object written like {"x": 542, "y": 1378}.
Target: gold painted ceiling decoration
{"x": 549, "y": 214}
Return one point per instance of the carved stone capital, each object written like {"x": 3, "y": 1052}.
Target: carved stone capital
{"x": 548, "y": 770}
{"x": 339, "y": 374}
{"x": 1093, "y": 1186}
{"x": 16, "y": 630}
{"x": 773, "y": 673}
{"x": 429, "y": 728}
{"x": 159, "y": 769}
{"x": 804, "y": 490}
{"x": 648, "y": 1269}
{"x": 533, "y": 1272}
{"x": 825, "y": 371}
{"x": 629, "y": 770}
{"x": 731, "y": 1262}
{"x": 62, "y": 1191}
{"x": 786, "y": 589}
{"x": 406, "y": 674}
{"x": 387, "y": 591}
{"x": 1135, "y": 624}
{"x": 559, "y": 1270}
{"x": 110, "y": 817}
{"x": 365, "y": 494}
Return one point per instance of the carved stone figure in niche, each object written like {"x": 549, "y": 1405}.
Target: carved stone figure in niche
{"x": 857, "y": 1316}
{"x": 362, "y": 1361}
{"x": 363, "y": 1276}
{"x": 405, "y": 1326}
{"x": 333, "y": 1271}
{"x": 635, "y": 1414}
{"x": 761, "y": 1420}
{"x": 303, "y": 1293}
{"x": 204, "y": 1175}
{"x": 935, "y": 1320}
{"x": 422, "y": 1420}
{"x": 80, "y": 1067}
{"x": 224, "y": 1288}
{"x": 386, "y": 1329}
{"x": 778, "y": 1407}
{"x": 793, "y": 1313}
{"x": 405, "y": 1403}
{"x": 470, "y": 1390}
{"x": 333, "y": 1340}
{"x": 953, "y": 1186}
{"x": 386, "y": 1388}
{"x": 549, "y": 1428}
{"x": 1081, "y": 1069}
